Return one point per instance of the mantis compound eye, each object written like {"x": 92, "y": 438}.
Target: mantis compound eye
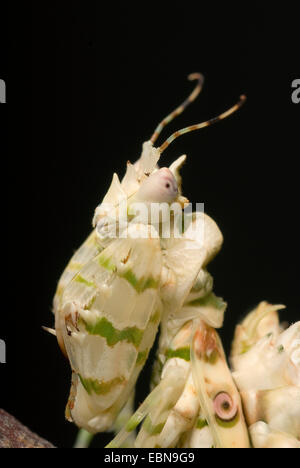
{"x": 159, "y": 187}
{"x": 224, "y": 406}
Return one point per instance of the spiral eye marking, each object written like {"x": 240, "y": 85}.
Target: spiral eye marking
{"x": 167, "y": 185}
{"x": 225, "y": 408}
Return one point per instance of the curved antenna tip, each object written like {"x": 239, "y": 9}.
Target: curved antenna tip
{"x": 214, "y": 120}
{"x": 196, "y": 76}
{"x": 180, "y": 109}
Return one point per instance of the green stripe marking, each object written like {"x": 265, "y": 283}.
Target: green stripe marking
{"x": 100, "y": 387}
{"x": 201, "y": 423}
{"x": 153, "y": 429}
{"x": 133, "y": 422}
{"x": 112, "y": 335}
{"x": 141, "y": 357}
{"x": 210, "y": 300}
{"x": 155, "y": 318}
{"x": 82, "y": 280}
{"x": 139, "y": 284}
{"x": 107, "y": 263}
{"x": 183, "y": 353}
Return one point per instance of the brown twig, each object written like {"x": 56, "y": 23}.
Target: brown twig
{"x": 14, "y": 435}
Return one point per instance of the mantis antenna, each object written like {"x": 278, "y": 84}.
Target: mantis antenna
{"x": 180, "y": 109}
{"x": 214, "y": 120}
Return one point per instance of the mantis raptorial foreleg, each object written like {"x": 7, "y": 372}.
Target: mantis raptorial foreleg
{"x": 196, "y": 393}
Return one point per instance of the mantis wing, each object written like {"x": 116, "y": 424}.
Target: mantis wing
{"x": 108, "y": 319}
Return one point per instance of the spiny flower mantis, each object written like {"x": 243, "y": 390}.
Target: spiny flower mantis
{"x": 124, "y": 281}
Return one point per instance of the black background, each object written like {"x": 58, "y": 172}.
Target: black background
{"x": 98, "y": 80}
